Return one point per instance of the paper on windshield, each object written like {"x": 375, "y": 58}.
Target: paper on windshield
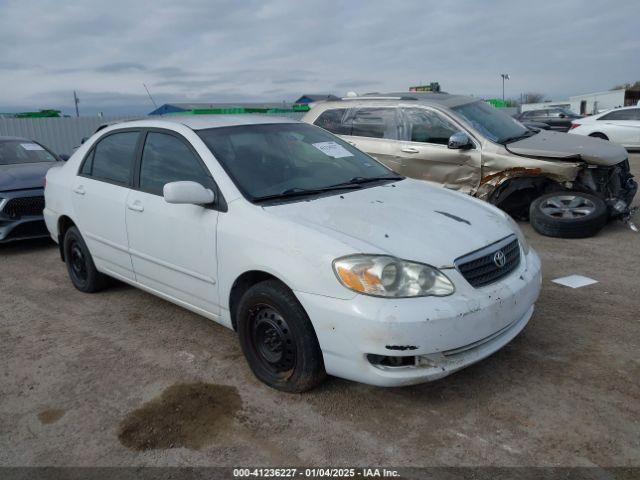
{"x": 332, "y": 149}
{"x": 31, "y": 146}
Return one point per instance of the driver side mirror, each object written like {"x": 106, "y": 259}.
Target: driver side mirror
{"x": 562, "y": 115}
{"x": 460, "y": 141}
{"x": 64, "y": 157}
{"x": 190, "y": 193}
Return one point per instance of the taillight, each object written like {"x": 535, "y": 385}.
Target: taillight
{"x": 574, "y": 125}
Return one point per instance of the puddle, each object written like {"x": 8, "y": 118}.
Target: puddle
{"x": 50, "y": 415}
{"x": 184, "y": 415}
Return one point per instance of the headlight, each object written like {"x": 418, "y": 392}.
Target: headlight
{"x": 516, "y": 229}
{"x": 386, "y": 276}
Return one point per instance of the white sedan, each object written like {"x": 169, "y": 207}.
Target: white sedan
{"x": 322, "y": 259}
{"x": 621, "y": 125}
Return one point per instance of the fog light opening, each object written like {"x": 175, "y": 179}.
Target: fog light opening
{"x": 391, "y": 361}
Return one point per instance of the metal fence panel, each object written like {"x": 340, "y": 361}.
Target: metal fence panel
{"x": 61, "y": 135}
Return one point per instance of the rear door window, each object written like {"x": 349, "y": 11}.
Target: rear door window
{"x": 375, "y": 122}
{"x": 628, "y": 114}
{"x": 111, "y": 159}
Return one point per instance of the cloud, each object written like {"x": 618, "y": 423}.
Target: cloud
{"x": 254, "y": 50}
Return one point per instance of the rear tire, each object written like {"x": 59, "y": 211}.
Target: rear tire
{"x": 82, "y": 271}
{"x": 599, "y": 135}
{"x": 568, "y": 214}
{"x": 278, "y": 339}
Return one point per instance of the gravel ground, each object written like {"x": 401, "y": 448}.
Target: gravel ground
{"x": 124, "y": 378}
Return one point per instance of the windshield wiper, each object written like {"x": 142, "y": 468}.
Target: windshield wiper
{"x": 527, "y": 134}
{"x": 362, "y": 180}
{"x": 353, "y": 184}
{"x": 298, "y": 192}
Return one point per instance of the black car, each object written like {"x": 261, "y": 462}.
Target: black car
{"x": 558, "y": 119}
{"x": 23, "y": 166}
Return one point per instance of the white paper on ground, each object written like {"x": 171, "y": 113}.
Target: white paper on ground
{"x": 31, "y": 146}
{"x": 332, "y": 149}
{"x": 575, "y": 281}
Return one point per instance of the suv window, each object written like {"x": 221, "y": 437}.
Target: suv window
{"x": 167, "y": 159}
{"x": 333, "y": 121}
{"x": 111, "y": 158}
{"x": 428, "y": 126}
{"x": 375, "y": 123}
{"x": 628, "y": 114}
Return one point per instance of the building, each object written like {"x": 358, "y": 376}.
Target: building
{"x": 591, "y": 103}
{"x": 191, "y": 107}
{"x": 308, "y": 98}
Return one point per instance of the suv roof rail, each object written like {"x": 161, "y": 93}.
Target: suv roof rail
{"x": 367, "y": 97}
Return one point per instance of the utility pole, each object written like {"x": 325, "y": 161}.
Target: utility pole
{"x": 505, "y": 76}
{"x": 76, "y": 101}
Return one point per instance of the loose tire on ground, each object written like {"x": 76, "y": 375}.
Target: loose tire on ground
{"x": 568, "y": 214}
{"x": 278, "y": 339}
{"x": 80, "y": 266}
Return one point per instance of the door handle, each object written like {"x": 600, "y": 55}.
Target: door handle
{"x": 79, "y": 190}
{"x": 135, "y": 206}
{"x": 410, "y": 150}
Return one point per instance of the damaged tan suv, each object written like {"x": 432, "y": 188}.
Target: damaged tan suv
{"x": 567, "y": 186}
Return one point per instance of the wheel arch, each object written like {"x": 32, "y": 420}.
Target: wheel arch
{"x": 243, "y": 283}
{"x": 515, "y": 194}
{"x": 64, "y": 223}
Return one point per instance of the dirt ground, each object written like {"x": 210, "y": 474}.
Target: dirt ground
{"x": 124, "y": 378}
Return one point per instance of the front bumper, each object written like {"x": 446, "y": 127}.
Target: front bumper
{"x": 446, "y": 334}
{"x": 24, "y": 227}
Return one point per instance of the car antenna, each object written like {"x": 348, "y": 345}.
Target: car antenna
{"x": 150, "y": 97}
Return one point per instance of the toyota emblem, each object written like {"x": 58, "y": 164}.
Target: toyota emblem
{"x": 499, "y": 259}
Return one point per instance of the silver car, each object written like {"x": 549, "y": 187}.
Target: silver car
{"x": 568, "y": 186}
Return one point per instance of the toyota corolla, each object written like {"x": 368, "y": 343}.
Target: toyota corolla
{"x": 322, "y": 259}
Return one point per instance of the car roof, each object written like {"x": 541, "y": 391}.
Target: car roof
{"x": 14, "y": 139}
{"x": 202, "y": 122}
{"x": 393, "y": 98}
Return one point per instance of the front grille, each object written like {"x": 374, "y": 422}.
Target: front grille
{"x": 29, "y": 229}
{"x": 480, "y": 268}
{"x": 24, "y": 207}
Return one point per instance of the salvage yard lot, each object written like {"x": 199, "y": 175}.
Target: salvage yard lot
{"x": 124, "y": 378}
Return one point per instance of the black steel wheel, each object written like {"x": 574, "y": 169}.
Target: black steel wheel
{"x": 80, "y": 266}
{"x": 272, "y": 340}
{"x": 278, "y": 339}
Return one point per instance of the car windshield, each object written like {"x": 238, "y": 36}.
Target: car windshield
{"x": 491, "y": 122}
{"x": 286, "y": 159}
{"x": 23, "y": 151}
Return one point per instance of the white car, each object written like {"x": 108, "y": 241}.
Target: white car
{"x": 621, "y": 125}
{"x": 322, "y": 259}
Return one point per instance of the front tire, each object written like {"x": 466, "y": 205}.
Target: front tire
{"x": 278, "y": 339}
{"x": 82, "y": 271}
{"x": 568, "y": 214}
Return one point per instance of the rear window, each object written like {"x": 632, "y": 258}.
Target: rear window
{"x": 627, "y": 114}
{"x": 333, "y": 121}
{"x": 112, "y": 158}
{"x": 16, "y": 151}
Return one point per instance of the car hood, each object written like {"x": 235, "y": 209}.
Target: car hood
{"x": 409, "y": 219}
{"x": 22, "y": 176}
{"x": 569, "y": 147}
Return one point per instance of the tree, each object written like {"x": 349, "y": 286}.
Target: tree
{"x": 533, "y": 97}
{"x": 628, "y": 86}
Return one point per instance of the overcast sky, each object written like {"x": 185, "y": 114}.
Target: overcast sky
{"x": 226, "y": 51}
